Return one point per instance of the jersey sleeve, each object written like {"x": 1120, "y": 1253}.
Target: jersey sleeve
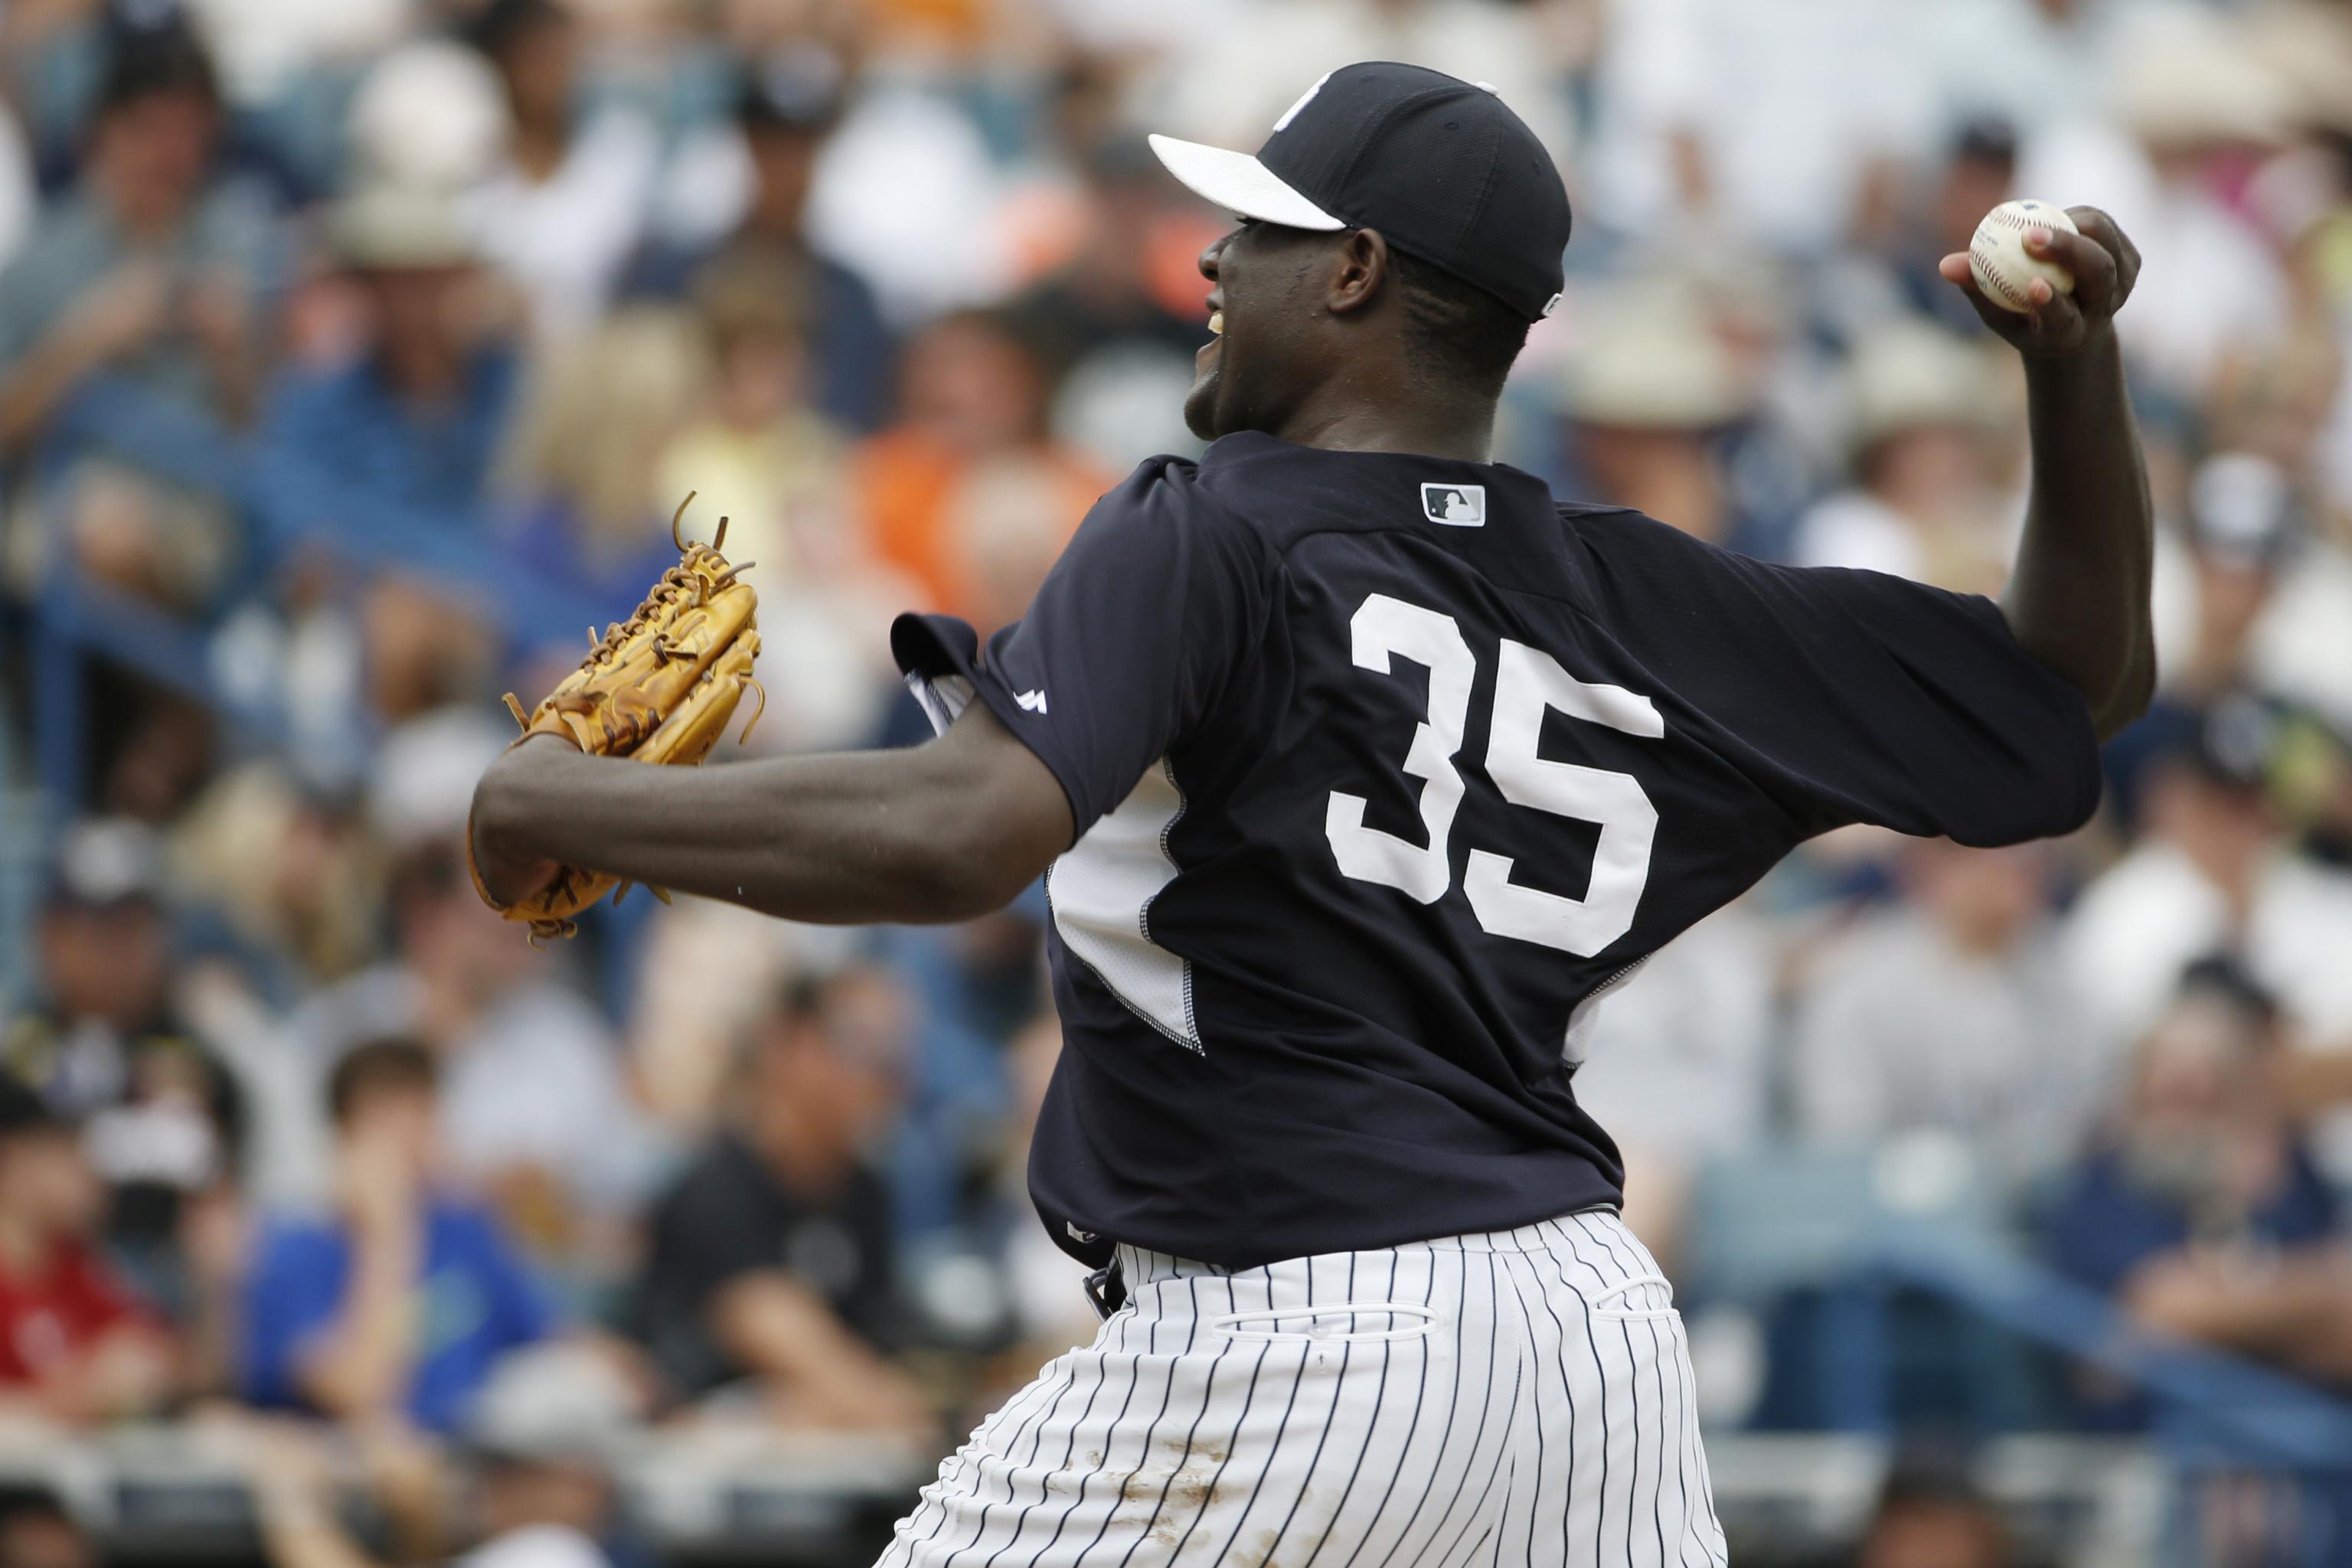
{"x": 1125, "y": 648}
{"x": 1858, "y": 696}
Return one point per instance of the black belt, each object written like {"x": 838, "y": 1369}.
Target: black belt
{"x": 1106, "y": 1287}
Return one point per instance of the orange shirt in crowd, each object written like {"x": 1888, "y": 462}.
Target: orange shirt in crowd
{"x": 935, "y": 512}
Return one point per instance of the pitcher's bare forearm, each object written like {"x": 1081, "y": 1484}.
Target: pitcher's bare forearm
{"x": 939, "y": 832}
{"x": 2079, "y": 598}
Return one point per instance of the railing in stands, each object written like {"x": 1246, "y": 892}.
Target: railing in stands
{"x": 2258, "y": 1458}
{"x": 180, "y": 1495}
{"x": 283, "y": 501}
{"x": 1832, "y": 1234}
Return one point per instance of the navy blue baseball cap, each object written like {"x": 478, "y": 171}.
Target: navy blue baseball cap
{"x": 1441, "y": 166}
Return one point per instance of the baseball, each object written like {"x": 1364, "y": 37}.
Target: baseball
{"x": 1999, "y": 262}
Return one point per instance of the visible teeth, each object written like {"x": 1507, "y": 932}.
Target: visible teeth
{"x": 1217, "y": 322}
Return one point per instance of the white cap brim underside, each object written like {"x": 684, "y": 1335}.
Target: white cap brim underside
{"x": 1238, "y": 183}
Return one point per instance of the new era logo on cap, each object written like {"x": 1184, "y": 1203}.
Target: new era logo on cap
{"x": 1456, "y": 506}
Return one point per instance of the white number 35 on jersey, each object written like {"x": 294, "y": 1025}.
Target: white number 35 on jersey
{"x": 1527, "y": 682}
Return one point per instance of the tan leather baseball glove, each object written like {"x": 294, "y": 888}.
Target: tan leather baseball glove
{"x": 659, "y": 687}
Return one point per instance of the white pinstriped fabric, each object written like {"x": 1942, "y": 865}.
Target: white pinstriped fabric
{"x": 1519, "y": 1397}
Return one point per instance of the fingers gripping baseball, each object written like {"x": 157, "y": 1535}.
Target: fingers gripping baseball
{"x": 2055, "y": 320}
{"x": 2115, "y": 255}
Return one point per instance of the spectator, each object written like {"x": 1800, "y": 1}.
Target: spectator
{"x": 971, "y": 990}
{"x": 2191, "y": 102}
{"x": 1119, "y": 321}
{"x": 2274, "y": 409}
{"x": 35, "y": 1531}
{"x": 535, "y": 1110}
{"x": 1234, "y": 82}
{"x": 2202, "y": 1213}
{"x": 1979, "y": 171}
{"x": 973, "y": 421}
{"x": 393, "y": 446}
{"x": 1922, "y": 505}
{"x": 148, "y": 264}
{"x": 2245, "y": 526}
{"x": 415, "y": 418}
{"x": 1648, "y": 394}
{"x": 74, "y": 1346}
{"x": 2213, "y": 871}
{"x": 431, "y": 111}
{"x": 1045, "y": 1287}
{"x": 773, "y": 1259}
{"x": 757, "y": 452}
{"x": 2244, "y": 530}
{"x": 538, "y": 1454}
{"x": 104, "y": 969}
{"x": 1909, "y": 220}
{"x": 1677, "y": 1064}
{"x": 535, "y": 1107}
{"x": 1932, "y": 1514}
{"x": 1948, "y": 1010}
{"x": 566, "y": 209}
{"x": 105, "y": 1048}
{"x": 785, "y": 110}
{"x": 1773, "y": 125}
{"x": 147, "y": 271}
{"x": 403, "y": 1298}
{"x": 282, "y": 857}
{"x": 590, "y": 459}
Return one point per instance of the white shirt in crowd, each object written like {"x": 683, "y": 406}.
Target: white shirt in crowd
{"x": 2153, "y": 913}
{"x": 1677, "y": 1060}
{"x": 536, "y": 1546}
{"x": 566, "y": 238}
{"x": 1901, "y": 1031}
{"x": 1788, "y": 101}
{"x": 1854, "y": 528}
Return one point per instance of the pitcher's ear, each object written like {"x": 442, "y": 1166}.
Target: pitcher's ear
{"x": 1359, "y": 270}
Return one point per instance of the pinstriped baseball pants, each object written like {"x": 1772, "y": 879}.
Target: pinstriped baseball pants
{"x": 1520, "y": 1396}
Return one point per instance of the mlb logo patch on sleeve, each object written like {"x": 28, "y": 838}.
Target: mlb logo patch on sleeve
{"x": 1456, "y": 506}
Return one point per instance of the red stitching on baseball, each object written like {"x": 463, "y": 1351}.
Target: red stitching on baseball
{"x": 2005, "y": 287}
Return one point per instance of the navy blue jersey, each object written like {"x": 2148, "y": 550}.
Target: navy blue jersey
{"x": 1385, "y": 769}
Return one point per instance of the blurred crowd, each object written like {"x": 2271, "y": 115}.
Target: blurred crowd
{"x": 357, "y": 355}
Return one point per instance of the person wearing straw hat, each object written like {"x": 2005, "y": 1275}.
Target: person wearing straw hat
{"x": 1921, "y": 408}
{"x": 417, "y": 417}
